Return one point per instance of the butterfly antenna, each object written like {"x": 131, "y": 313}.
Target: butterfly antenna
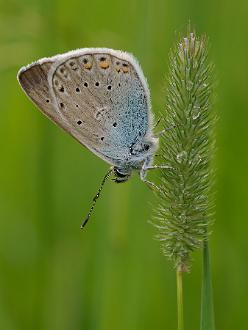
{"x": 107, "y": 175}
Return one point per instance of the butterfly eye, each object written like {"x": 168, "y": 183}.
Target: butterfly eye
{"x": 77, "y": 90}
{"x": 79, "y": 122}
{"x": 97, "y": 84}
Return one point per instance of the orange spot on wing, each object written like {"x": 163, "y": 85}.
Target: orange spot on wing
{"x": 87, "y": 66}
{"x": 125, "y": 68}
{"x": 104, "y": 64}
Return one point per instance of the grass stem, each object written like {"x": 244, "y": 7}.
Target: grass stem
{"x": 207, "y": 306}
{"x": 180, "y": 299}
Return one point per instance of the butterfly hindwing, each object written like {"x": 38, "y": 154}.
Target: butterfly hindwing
{"x": 102, "y": 97}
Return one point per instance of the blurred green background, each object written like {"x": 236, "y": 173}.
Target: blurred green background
{"x": 112, "y": 276}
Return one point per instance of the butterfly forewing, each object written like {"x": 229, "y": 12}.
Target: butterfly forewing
{"x": 34, "y": 81}
{"x": 98, "y": 96}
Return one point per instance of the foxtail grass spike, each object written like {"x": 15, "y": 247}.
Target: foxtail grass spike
{"x": 185, "y": 199}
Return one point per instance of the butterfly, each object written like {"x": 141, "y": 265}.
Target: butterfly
{"x": 99, "y": 96}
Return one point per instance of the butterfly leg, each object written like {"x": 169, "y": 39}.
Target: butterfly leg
{"x": 149, "y": 183}
{"x": 154, "y": 167}
{"x": 165, "y": 130}
{"x": 143, "y": 172}
{"x": 158, "y": 122}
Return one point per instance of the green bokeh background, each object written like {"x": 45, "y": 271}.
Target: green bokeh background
{"x": 112, "y": 276}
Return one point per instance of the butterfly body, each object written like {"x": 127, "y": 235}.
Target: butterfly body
{"x": 101, "y": 97}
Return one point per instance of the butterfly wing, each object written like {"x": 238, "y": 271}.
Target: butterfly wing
{"x": 34, "y": 81}
{"x": 99, "y": 96}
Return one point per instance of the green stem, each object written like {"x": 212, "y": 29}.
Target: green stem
{"x": 207, "y": 306}
{"x": 180, "y": 299}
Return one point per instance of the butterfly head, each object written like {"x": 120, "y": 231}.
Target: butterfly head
{"x": 139, "y": 154}
{"x": 121, "y": 174}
